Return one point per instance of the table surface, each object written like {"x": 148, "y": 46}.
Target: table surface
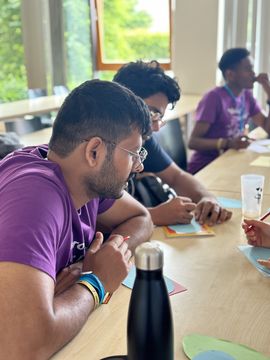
{"x": 43, "y": 104}
{"x": 224, "y": 173}
{"x": 226, "y": 298}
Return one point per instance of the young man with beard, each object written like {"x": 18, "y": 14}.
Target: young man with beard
{"x": 222, "y": 116}
{"x": 54, "y": 268}
{"x": 157, "y": 89}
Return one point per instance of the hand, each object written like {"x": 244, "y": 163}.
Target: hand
{"x": 209, "y": 211}
{"x": 174, "y": 211}
{"x": 239, "y": 142}
{"x": 67, "y": 277}
{"x": 265, "y": 263}
{"x": 110, "y": 261}
{"x": 263, "y": 79}
{"x": 259, "y": 235}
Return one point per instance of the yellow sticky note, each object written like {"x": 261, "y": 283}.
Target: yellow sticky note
{"x": 261, "y": 161}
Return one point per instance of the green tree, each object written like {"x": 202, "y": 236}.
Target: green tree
{"x": 126, "y": 35}
{"x": 12, "y": 69}
{"x": 77, "y": 41}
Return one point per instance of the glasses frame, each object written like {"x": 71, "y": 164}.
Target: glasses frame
{"x": 157, "y": 116}
{"x": 137, "y": 158}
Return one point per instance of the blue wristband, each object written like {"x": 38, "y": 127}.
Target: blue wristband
{"x": 96, "y": 283}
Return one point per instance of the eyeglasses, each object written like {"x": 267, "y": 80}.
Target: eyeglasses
{"x": 157, "y": 116}
{"x": 137, "y": 158}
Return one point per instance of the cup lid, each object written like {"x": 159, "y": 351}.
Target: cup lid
{"x": 148, "y": 256}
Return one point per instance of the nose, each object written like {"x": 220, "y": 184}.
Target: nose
{"x": 155, "y": 125}
{"x": 138, "y": 167}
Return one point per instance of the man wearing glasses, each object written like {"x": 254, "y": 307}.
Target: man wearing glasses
{"x": 149, "y": 81}
{"x": 54, "y": 268}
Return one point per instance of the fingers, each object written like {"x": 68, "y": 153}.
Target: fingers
{"x": 96, "y": 243}
{"x": 207, "y": 211}
{"x": 190, "y": 206}
{"x": 224, "y": 215}
{"x": 265, "y": 263}
{"x": 211, "y": 212}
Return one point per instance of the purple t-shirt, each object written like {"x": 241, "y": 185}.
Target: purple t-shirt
{"x": 39, "y": 224}
{"x": 226, "y": 116}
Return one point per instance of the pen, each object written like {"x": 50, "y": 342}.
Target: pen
{"x": 261, "y": 219}
{"x": 126, "y": 238}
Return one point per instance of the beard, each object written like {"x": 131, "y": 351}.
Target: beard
{"x": 105, "y": 184}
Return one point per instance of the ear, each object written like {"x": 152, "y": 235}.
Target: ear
{"x": 229, "y": 74}
{"x": 95, "y": 151}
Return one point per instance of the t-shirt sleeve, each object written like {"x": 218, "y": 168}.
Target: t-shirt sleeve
{"x": 208, "y": 108}
{"x": 157, "y": 159}
{"x": 32, "y": 218}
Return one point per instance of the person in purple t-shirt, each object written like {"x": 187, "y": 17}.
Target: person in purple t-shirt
{"x": 223, "y": 114}
{"x": 54, "y": 267}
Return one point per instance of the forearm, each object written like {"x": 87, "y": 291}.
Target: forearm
{"x": 191, "y": 187}
{"x": 203, "y": 144}
{"x": 184, "y": 183}
{"x": 40, "y": 333}
{"x": 71, "y": 310}
{"x": 139, "y": 228}
{"x": 266, "y": 125}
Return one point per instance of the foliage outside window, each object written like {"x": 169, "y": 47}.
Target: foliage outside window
{"x": 77, "y": 41}
{"x": 131, "y": 30}
{"x": 13, "y": 83}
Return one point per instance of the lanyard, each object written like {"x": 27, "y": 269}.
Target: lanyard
{"x": 242, "y": 108}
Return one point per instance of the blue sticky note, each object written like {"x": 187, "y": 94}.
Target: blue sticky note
{"x": 254, "y": 253}
{"x": 229, "y": 203}
{"x": 213, "y": 355}
{"x": 130, "y": 279}
{"x": 193, "y": 227}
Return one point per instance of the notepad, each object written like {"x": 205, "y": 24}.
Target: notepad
{"x": 261, "y": 161}
{"x": 192, "y": 229}
{"x": 253, "y": 253}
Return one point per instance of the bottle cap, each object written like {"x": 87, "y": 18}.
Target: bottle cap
{"x": 148, "y": 256}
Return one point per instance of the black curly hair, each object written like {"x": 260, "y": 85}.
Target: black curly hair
{"x": 146, "y": 79}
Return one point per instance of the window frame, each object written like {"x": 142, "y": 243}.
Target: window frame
{"x": 96, "y": 31}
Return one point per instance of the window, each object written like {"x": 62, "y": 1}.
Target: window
{"x": 13, "y": 82}
{"x": 130, "y": 30}
{"x": 77, "y": 38}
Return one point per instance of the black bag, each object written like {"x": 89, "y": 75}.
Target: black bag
{"x": 150, "y": 190}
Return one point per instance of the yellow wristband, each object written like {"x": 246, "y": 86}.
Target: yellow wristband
{"x": 92, "y": 290}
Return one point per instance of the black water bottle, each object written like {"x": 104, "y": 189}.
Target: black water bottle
{"x": 150, "y": 326}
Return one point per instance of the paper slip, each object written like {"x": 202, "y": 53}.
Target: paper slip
{"x": 229, "y": 203}
{"x": 192, "y": 229}
{"x": 195, "y": 345}
{"x": 261, "y": 161}
{"x": 172, "y": 286}
{"x": 253, "y": 253}
{"x": 260, "y": 146}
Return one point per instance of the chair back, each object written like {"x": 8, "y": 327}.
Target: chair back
{"x": 170, "y": 137}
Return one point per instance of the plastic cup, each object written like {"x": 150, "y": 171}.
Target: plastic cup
{"x": 252, "y": 195}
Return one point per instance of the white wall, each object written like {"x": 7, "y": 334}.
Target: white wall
{"x": 194, "y": 46}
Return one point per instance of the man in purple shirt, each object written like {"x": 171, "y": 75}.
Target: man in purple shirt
{"x": 223, "y": 114}
{"x": 54, "y": 267}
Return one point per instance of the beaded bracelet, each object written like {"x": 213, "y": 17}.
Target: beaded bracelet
{"x": 93, "y": 280}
